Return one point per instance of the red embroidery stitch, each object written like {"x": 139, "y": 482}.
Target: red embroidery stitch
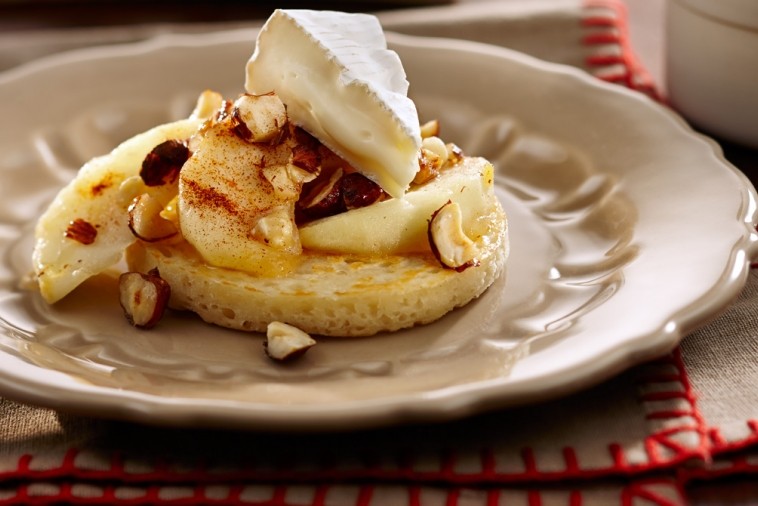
{"x": 534, "y": 498}
{"x": 414, "y": 496}
{"x": 634, "y": 75}
{"x": 365, "y": 495}
{"x": 575, "y": 499}
{"x": 452, "y": 497}
{"x": 319, "y": 497}
{"x": 639, "y": 490}
{"x": 572, "y": 463}
{"x": 493, "y": 497}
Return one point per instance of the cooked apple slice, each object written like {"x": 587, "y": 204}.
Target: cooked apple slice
{"x": 97, "y": 198}
{"x": 237, "y": 198}
{"x": 400, "y": 225}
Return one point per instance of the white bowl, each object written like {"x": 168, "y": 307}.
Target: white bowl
{"x": 712, "y": 65}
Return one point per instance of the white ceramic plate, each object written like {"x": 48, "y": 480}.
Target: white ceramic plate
{"x": 627, "y": 232}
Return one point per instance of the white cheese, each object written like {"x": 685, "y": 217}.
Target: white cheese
{"x": 339, "y": 82}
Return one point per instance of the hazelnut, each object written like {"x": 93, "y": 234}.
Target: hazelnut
{"x": 146, "y": 222}
{"x": 331, "y": 161}
{"x": 435, "y": 145}
{"x": 81, "y": 231}
{"x": 286, "y": 180}
{"x": 300, "y": 175}
{"x": 258, "y": 118}
{"x": 285, "y": 342}
{"x": 143, "y": 297}
{"x": 324, "y": 199}
{"x": 359, "y": 191}
{"x": 223, "y": 112}
{"x": 130, "y": 188}
{"x": 303, "y": 138}
{"x": 162, "y": 164}
{"x": 430, "y": 128}
{"x": 429, "y": 166}
{"x": 306, "y": 158}
{"x": 454, "y": 154}
{"x": 449, "y": 243}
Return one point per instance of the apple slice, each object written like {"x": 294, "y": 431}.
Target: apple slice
{"x": 96, "y": 197}
{"x": 400, "y": 225}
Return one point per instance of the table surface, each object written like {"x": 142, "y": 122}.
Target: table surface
{"x": 647, "y": 21}
{"x": 647, "y": 33}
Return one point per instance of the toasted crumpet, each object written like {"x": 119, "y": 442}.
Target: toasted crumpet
{"x": 332, "y": 295}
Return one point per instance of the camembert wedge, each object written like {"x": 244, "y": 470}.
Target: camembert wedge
{"x": 339, "y": 81}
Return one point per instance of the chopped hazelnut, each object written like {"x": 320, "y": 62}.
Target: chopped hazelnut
{"x": 162, "y": 164}
{"x": 435, "y": 145}
{"x": 258, "y": 118}
{"x": 428, "y": 167}
{"x": 306, "y": 158}
{"x": 449, "y": 243}
{"x": 454, "y": 154}
{"x": 360, "y": 191}
{"x": 146, "y": 222}
{"x": 81, "y": 231}
{"x": 324, "y": 199}
{"x": 303, "y": 138}
{"x": 143, "y": 297}
{"x": 285, "y": 342}
{"x": 223, "y": 112}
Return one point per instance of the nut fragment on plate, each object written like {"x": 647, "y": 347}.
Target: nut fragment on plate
{"x": 143, "y": 297}
{"x": 449, "y": 243}
{"x": 285, "y": 342}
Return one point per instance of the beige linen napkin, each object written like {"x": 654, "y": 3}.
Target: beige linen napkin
{"x": 639, "y": 438}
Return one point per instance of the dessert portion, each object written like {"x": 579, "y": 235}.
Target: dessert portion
{"x": 314, "y": 202}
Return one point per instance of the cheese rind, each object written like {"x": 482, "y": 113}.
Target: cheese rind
{"x": 339, "y": 81}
